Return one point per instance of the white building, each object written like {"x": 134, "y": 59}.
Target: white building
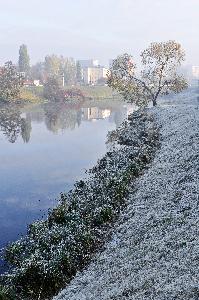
{"x": 94, "y": 74}
{"x": 195, "y": 72}
{"x": 36, "y": 82}
{"x": 21, "y": 74}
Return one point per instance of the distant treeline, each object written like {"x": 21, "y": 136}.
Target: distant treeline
{"x": 57, "y": 67}
{"x": 52, "y": 66}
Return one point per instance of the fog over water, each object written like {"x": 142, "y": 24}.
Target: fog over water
{"x": 96, "y": 29}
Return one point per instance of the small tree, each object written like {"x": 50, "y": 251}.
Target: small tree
{"x": 24, "y": 59}
{"x": 10, "y": 83}
{"x": 78, "y": 72}
{"x": 70, "y": 72}
{"x": 52, "y": 66}
{"x": 52, "y": 90}
{"x": 159, "y": 75}
{"x": 37, "y": 71}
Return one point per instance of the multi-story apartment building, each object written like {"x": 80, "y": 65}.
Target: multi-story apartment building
{"x": 94, "y": 74}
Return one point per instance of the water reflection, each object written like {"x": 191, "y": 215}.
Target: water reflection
{"x": 44, "y": 150}
{"x": 94, "y": 113}
{"x": 62, "y": 117}
{"x": 26, "y": 128}
{"x": 14, "y": 122}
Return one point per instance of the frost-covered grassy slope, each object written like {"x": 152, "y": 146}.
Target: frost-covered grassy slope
{"x": 154, "y": 251}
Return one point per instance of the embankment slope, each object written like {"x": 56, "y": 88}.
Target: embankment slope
{"x": 154, "y": 251}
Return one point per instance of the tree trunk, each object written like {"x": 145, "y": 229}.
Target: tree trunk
{"x": 155, "y": 102}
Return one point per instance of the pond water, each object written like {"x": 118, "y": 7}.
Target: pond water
{"x": 44, "y": 149}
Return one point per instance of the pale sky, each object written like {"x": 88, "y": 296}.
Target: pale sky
{"x": 99, "y": 29}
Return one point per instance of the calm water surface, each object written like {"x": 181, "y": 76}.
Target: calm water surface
{"x": 44, "y": 149}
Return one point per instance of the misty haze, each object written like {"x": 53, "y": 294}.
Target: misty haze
{"x": 99, "y": 139}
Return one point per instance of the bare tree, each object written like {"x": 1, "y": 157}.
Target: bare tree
{"x": 159, "y": 75}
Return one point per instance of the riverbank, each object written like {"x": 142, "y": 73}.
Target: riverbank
{"x": 153, "y": 252}
{"x": 99, "y": 92}
{"x": 31, "y": 95}
{"x": 89, "y": 92}
{"x": 55, "y": 249}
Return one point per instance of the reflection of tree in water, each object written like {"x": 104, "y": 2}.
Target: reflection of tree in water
{"x": 57, "y": 116}
{"x": 118, "y": 115}
{"x": 62, "y": 116}
{"x": 10, "y": 122}
{"x": 12, "y": 125}
{"x": 79, "y": 117}
{"x": 36, "y": 116}
{"x": 26, "y": 129}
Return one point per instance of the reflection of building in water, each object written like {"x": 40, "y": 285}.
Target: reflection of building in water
{"x": 95, "y": 113}
{"x": 117, "y": 116}
{"x": 195, "y": 72}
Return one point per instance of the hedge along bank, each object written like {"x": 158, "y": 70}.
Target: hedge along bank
{"x": 54, "y": 250}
